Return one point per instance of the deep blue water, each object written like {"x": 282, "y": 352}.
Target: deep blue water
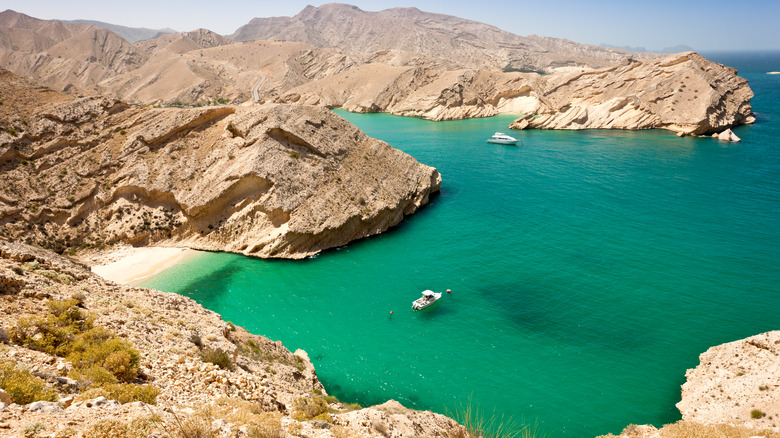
{"x": 588, "y": 269}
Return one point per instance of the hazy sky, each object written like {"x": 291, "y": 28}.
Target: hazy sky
{"x": 704, "y": 25}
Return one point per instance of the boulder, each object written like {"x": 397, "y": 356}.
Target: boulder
{"x": 728, "y": 135}
{"x": 45, "y": 407}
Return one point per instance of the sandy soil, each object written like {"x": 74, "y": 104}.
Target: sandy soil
{"x": 133, "y": 265}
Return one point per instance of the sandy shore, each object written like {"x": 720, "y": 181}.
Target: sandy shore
{"x": 131, "y": 266}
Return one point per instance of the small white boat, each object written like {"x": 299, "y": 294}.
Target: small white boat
{"x": 501, "y": 138}
{"x": 428, "y": 298}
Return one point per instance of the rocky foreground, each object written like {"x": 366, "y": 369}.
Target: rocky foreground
{"x": 256, "y": 388}
{"x": 271, "y": 181}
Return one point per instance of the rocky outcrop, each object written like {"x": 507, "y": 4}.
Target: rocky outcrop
{"x": 684, "y": 93}
{"x": 734, "y": 391}
{"x": 736, "y": 383}
{"x": 272, "y": 181}
{"x": 169, "y": 331}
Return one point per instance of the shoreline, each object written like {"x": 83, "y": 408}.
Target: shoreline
{"x": 130, "y": 265}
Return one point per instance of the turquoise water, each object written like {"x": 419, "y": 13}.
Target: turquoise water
{"x": 588, "y": 271}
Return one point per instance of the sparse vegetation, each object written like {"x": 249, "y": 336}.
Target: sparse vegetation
{"x": 22, "y": 386}
{"x": 102, "y": 360}
{"x": 479, "y": 424}
{"x": 218, "y": 357}
{"x": 311, "y": 408}
{"x": 110, "y": 428}
{"x": 756, "y": 414}
{"x": 294, "y": 154}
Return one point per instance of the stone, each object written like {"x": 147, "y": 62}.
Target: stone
{"x": 44, "y": 407}
{"x": 729, "y": 136}
{"x": 5, "y": 398}
{"x": 66, "y": 402}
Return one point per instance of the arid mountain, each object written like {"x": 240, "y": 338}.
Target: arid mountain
{"x": 470, "y": 44}
{"x": 131, "y": 34}
{"x": 268, "y": 181}
{"x": 65, "y": 56}
{"x": 407, "y": 76}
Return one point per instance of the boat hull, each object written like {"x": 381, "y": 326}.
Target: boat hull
{"x": 506, "y": 142}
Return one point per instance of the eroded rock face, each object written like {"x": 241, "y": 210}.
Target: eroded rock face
{"x": 271, "y": 181}
{"x": 736, "y": 383}
{"x": 684, "y": 93}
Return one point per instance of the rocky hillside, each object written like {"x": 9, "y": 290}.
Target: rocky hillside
{"x": 193, "y": 374}
{"x": 269, "y": 181}
{"x": 360, "y": 61}
{"x": 737, "y": 383}
{"x": 467, "y": 43}
{"x": 684, "y": 93}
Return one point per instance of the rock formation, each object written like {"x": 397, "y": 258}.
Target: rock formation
{"x": 170, "y": 332}
{"x": 736, "y": 383}
{"x": 270, "y": 181}
{"x": 684, "y": 93}
{"x": 397, "y": 67}
{"x": 734, "y": 391}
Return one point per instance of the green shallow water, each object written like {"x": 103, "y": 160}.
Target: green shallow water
{"x": 588, "y": 271}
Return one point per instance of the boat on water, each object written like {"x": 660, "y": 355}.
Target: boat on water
{"x": 501, "y": 138}
{"x": 427, "y": 299}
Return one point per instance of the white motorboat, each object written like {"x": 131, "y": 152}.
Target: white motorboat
{"x": 427, "y": 299}
{"x": 501, "y": 138}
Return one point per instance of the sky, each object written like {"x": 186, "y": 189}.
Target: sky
{"x": 713, "y": 25}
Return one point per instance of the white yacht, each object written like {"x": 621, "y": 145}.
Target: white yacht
{"x": 501, "y": 138}
{"x": 428, "y": 298}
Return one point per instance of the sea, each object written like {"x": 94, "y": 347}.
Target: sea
{"x": 588, "y": 270}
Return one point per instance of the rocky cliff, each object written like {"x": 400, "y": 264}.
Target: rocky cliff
{"x": 684, "y": 93}
{"x": 270, "y": 181}
{"x": 733, "y": 392}
{"x": 736, "y": 383}
{"x": 257, "y": 386}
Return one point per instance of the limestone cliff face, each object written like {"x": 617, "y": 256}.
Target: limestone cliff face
{"x": 736, "y": 383}
{"x": 271, "y": 181}
{"x": 684, "y": 93}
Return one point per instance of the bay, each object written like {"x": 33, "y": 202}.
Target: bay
{"x": 588, "y": 271}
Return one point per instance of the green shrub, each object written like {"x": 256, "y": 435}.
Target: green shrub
{"x": 111, "y": 428}
{"x": 94, "y": 375}
{"x": 311, "y": 408}
{"x": 100, "y": 347}
{"x": 123, "y": 393}
{"x": 217, "y": 357}
{"x": 55, "y": 333}
{"x": 756, "y": 414}
{"x": 33, "y": 430}
{"x": 22, "y": 386}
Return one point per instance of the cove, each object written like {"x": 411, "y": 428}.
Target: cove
{"x": 588, "y": 271}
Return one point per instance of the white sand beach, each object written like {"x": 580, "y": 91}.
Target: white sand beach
{"x": 131, "y": 265}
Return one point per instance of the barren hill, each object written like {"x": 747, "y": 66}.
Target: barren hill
{"x": 269, "y": 181}
{"x": 131, "y": 34}
{"x": 468, "y": 43}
